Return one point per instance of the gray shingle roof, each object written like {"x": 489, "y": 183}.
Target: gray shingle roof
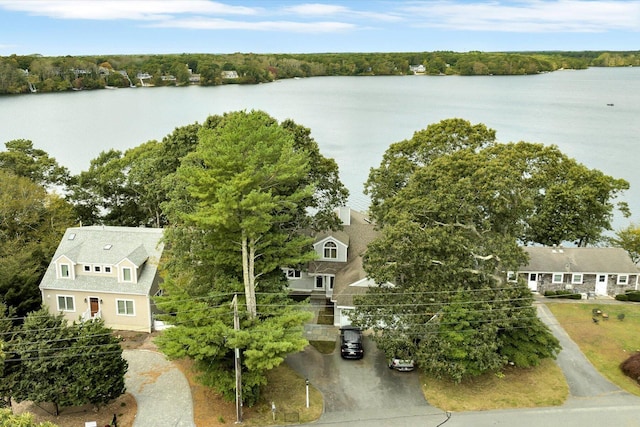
{"x": 361, "y": 232}
{"x": 578, "y": 260}
{"x": 108, "y": 246}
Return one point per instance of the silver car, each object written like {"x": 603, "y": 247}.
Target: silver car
{"x": 402, "y": 365}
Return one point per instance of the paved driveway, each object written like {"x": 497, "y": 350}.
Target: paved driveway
{"x": 361, "y": 389}
{"x": 161, "y": 390}
{"x": 583, "y": 379}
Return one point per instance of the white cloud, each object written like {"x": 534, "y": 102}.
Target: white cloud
{"x": 134, "y": 9}
{"x": 223, "y": 24}
{"x": 316, "y": 9}
{"x": 528, "y": 16}
{"x": 322, "y": 9}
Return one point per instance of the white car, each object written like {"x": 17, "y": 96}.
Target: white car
{"x": 402, "y": 365}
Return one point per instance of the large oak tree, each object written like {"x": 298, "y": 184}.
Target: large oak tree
{"x": 453, "y": 207}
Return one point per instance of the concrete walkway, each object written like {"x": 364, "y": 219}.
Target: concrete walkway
{"x": 161, "y": 390}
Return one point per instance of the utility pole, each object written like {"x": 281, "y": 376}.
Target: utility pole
{"x": 236, "y": 326}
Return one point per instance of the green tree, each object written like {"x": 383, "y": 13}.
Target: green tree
{"x": 8, "y": 370}
{"x": 629, "y": 240}
{"x": 403, "y": 158}
{"x": 82, "y": 362}
{"x": 8, "y": 419}
{"x": 23, "y": 160}
{"x": 31, "y": 224}
{"x": 246, "y": 180}
{"x": 238, "y": 210}
{"x": 452, "y": 221}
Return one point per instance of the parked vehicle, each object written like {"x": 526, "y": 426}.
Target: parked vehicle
{"x": 402, "y": 365}
{"x": 351, "y": 343}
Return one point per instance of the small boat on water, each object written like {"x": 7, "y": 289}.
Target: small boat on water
{"x": 609, "y": 105}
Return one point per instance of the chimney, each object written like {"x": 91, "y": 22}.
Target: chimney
{"x": 344, "y": 213}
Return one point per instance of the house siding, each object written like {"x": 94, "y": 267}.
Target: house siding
{"x": 142, "y": 321}
{"x": 545, "y": 283}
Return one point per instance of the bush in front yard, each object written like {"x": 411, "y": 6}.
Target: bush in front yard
{"x": 634, "y": 296}
{"x": 622, "y": 297}
{"x": 631, "y": 367}
{"x": 562, "y": 294}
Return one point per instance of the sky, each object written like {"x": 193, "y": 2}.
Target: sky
{"x": 102, "y": 27}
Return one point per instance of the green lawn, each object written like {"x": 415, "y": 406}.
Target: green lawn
{"x": 607, "y": 343}
{"x": 513, "y": 388}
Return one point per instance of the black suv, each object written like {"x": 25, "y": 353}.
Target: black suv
{"x": 351, "y": 343}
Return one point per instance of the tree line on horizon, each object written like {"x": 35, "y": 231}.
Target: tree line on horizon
{"x": 30, "y": 73}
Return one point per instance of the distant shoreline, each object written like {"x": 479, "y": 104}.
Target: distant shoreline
{"x": 39, "y": 74}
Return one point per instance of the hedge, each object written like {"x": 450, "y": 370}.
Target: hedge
{"x": 563, "y": 293}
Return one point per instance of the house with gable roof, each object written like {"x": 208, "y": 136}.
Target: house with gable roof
{"x": 599, "y": 271}
{"x": 106, "y": 272}
{"x": 337, "y": 274}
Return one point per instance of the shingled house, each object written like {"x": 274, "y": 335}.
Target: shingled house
{"x": 601, "y": 271}
{"x": 337, "y": 273}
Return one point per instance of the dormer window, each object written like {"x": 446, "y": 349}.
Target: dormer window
{"x": 330, "y": 250}
{"x": 87, "y": 268}
{"x": 126, "y": 274}
{"x": 64, "y": 270}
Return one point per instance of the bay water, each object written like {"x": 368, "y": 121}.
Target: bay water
{"x": 592, "y": 115}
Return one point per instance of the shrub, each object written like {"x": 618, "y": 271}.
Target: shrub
{"x": 562, "y": 293}
{"x": 622, "y": 297}
{"x": 631, "y": 367}
{"x": 634, "y": 296}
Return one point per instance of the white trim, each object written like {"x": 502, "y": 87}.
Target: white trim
{"x": 66, "y": 305}
{"x": 577, "y": 278}
{"x": 620, "y": 282}
{"x": 292, "y": 273}
{"x": 125, "y": 313}
{"x": 553, "y": 278}
{"x": 61, "y": 271}
{"x": 332, "y": 247}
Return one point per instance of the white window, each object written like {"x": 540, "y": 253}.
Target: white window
{"x": 330, "y": 250}
{"x": 65, "y": 303}
{"x": 511, "y": 276}
{"x": 126, "y": 274}
{"x": 107, "y": 269}
{"x": 125, "y": 307}
{"x": 576, "y": 278}
{"x": 87, "y": 268}
{"x": 64, "y": 270}
{"x": 292, "y": 273}
{"x": 602, "y": 278}
{"x": 97, "y": 268}
{"x": 558, "y": 277}
{"x": 623, "y": 279}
